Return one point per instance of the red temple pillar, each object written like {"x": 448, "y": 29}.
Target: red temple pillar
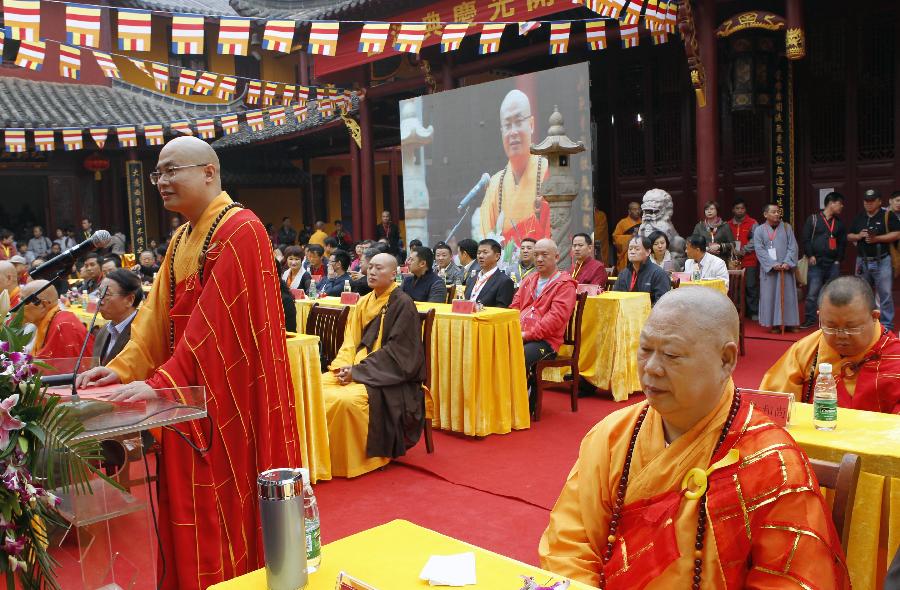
{"x": 367, "y": 171}
{"x": 356, "y": 193}
{"x": 707, "y": 119}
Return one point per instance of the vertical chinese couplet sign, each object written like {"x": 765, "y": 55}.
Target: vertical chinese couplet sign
{"x": 135, "y": 172}
{"x": 782, "y": 144}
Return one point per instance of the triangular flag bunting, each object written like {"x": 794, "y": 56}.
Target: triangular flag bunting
{"x": 153, "y": 134}
{"x": 453, "y": 35}
{"x": 269, "y": 91}
{"x": 99, "y": 134}
{"x": 160, "y": 76}
{"x": 107, "y": 65}
{"x": 205, "y": 83}
{"x": 186, "y": 81}
{"x": 31, "y": 55}
{"x": 373, "y": 37}
{"x": 254, "y": 90}
{"x": 43, "y": 140}
{"x": 229, "y": 124}
{"x": 234, "y": 36}
{"x": 630, "y": 36}
{"x": 83, "y": 25}
{"x": 300, "y": 112}
{"x": 22, "y": 19}
{"x": 183, "y": 127}
{"x": 302, "y": 95}
{"x": 133, "y": 29}
{"x": 279, "y": 36}
{"x": 490, "y": 38}
{"x": 559, "y": 37}
{"x": 255, "y": 120}
{"x": 325, "y": 107}
{"x": 410, "y": 37}
{"x": 72, "y": 139}
{"x": 595, "y": 33}
{"x": 69, "y": 62}
{"x": 323, "y": 38}
{"x": 15, "y": 140}
{"x": 127, "y": 136}
{"x": 206, "y": 128}
{"x": 633, "y": 12}
{"x": 226, "y": 88}
{"x": 287, "y": 95}
{"x": 139, "y": 64}
{"x": 187, "y": 34}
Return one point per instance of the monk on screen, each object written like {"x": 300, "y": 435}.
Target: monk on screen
{"x": 865, "y": 355}
{"x": 213, "y": 318}
{"x": 638, "y": 509}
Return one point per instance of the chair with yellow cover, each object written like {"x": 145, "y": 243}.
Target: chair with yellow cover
{"x": 427, "y": 320}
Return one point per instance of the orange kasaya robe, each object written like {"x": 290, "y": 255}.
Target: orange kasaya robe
{"x": 59, "y": 335}
{"x": 622, "y": 234}
{"x": 601, "y": 234}
{"x": 521, "y": 219}
{"x": 230, "y": 338}
{"x": 868, "y": 381}
{"x": 762, "y": 532}
{"x": 14, "y": 296}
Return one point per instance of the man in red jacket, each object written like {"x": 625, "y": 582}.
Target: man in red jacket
{"x": 545, "y": 301}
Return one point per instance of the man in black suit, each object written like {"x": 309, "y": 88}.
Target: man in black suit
{"x": 467, "y": 250}
{"x": 491, "y": 287}
{"x": 388, "y": 231}
{"x": 118, "y": 307}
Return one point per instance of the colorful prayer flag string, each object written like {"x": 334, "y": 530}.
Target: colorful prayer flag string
{"x": 83, "y": 25}
{"x": 279, "y": 35}
{"x": 323, "y": 38}
{"x": 133, "y": 29}
{"x": 234, "y": 36}
{"x": 373, "y": 37}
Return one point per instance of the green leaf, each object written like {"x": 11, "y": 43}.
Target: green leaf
{"x": 23, "y": 444}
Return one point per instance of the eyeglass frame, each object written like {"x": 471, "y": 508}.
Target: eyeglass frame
{"x": 169, "y": 172}
{"x": 516, "y": 123}
{"x": 842, "y": 331}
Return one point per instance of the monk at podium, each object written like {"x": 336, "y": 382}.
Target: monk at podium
{"x": 865, "y": 355}
{"x": 513, "y": 207}
{"x": 58, "y": 333}
{"x": 214, "y": 318}
{"x": 694, "y": 488}
{"x": 373, "y": 392}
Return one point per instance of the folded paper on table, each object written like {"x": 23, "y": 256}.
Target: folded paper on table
{"x": 450, "y": 570}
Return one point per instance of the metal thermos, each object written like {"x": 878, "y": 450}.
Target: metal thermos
{"x": 283, "y": 530}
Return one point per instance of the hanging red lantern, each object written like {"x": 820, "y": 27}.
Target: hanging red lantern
{"x": 97, "y": 164}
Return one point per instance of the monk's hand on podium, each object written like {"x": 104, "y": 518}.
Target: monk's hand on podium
{"x": 134, "y": 392}
{"x": 97, "y": 377}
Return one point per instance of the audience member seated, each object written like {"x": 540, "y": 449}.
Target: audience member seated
{"x": 330, "y": 246}
{"x": 338, "y": 262}
{"x": 373, "y": 392}
{"x": 21, "y": 265}
{"x": 119, "y": 306}
{"x": 358, "y": 251}
{"x": 92, "y": 275}
{"x": 864, "y": 355}
{"x": 640, "y": 274}
{"x": 467, "y": 252}
{"x": 444, "y": 267}
{"x": 659, "y": 252}
{"x": 423, "y": 284}
{"x": 147, "y": 267}
{"x": 110, "y": 263}
{"x": 9, "y": 281}
{"x": 525, "y": 266}
{"x": 58, "y": 333}
{"x": 359, "y": 281}
{"x": 294, "y": 276}
{"x": 490, "y": 286}
{"x": 634, "y": 511}
{"x": 545, "y": 301}
{"x": 586, "y": 269}
{"x": 710, "y": 266}
{"x": 314, "y": 266}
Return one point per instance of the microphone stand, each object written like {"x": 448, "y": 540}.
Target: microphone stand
{"x": 458, "y": 223}
{"x": 34, "y": 296}
{"x": 75, "y": 399}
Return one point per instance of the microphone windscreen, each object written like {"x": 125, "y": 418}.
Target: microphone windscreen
{"x": 101, "y": 238}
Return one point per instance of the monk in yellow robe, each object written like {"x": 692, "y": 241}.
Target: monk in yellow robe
{"x": 601, "y": 234}
{"x": 678, "y": 491}
{"x": 513, "y": 206}
{"x": 624, "y": 231}
{"x": 374, "y": 402}
{"x": 864, "y": 355}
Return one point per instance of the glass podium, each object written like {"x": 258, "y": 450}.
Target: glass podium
{"x": 111, "y": 542}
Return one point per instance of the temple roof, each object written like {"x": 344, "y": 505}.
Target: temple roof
{"x": 315, "y": 9}
{"x": 206, "y": 7}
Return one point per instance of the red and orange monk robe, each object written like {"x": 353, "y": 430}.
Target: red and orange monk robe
{"x": 230, "y": 338}
{"x": 60, "y": 335}
{"x": 868, "y": 381}
{"x": 768, "y": 524}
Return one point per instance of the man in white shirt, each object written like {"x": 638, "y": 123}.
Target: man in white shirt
{"x": 711, "y": 266}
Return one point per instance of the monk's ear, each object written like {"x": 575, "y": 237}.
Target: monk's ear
{"x": 876, "y": 314}
{"x": 729, "y": 358}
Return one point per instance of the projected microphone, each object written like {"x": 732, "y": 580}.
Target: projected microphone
{"x": 100, "y": 239}
{"x": 482, "y": 184}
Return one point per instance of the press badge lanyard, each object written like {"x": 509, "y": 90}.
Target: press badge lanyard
{"x": 832, "y": 243}
{"x": 771, "y": 250}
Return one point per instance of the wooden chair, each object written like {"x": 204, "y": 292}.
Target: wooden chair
{"x": 842, "y": 478}
{"x": 328, "y": 323}
{"x": 427, "y": 320}
{"x": 736, "y": 293}
{"x": 674, "y": 282}
{"x": 572, "y": 337}
{"x": 451, "y": 291}
{"x": 610, "y": 283}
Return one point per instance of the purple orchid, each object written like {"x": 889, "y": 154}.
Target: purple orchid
{"x": 7, "y": 422}
{"x": 13, "y": 545}
{"x": 4, "y": 346}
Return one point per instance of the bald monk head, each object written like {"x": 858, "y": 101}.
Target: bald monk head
{"x": 381, "y": 272}
{"x": 546, "y": 257}
{"x": 8, "y": 276}
{"x": 848, "y": 315}
{"x": 687, "y": 352}
{"x": 189, "y": 176}
{"x": 516, "y": 128}
{"x": 46, "y": 300}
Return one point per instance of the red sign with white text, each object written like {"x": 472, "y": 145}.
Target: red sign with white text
{"x": 455, "y": 11}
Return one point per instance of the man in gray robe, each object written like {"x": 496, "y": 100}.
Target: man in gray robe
{"x": 776, "y": 249}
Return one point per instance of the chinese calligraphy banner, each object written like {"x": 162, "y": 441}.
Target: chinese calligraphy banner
{"x": 134, "y": 172}
{"x": 782, "y": 144}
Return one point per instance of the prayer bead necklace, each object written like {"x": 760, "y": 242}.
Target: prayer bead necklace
{"x": 623, "y": 486}
{"x": 201, "y": 262}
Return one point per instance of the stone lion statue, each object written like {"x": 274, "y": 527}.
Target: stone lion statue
{"x": 657, "y": 207}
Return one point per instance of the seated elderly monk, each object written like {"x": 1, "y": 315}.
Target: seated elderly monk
{"x": 373, "y": 394}
{"x": 545, "y": 301}
{"x": 58, "y": 333}
{"x": 9, "y": 281}
{"x": 681, "y": 491}
{"x": 865, "y": 355}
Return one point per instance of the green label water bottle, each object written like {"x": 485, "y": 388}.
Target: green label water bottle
{"x": 825, "y": 405}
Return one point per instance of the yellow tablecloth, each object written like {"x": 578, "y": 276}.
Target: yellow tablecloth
{"x": 312, "y": 426}
{"x": 85, "y": 317}
{"x": 875, "y": 528}
{"x": 717, "y": 284}
{"x": 390, "y": 557}
{"x": 477, "y": 368}
{"x": 610, "y": 332}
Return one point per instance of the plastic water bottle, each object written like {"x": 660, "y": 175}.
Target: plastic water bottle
{"x": 346, "y": 285}
{"x": 695, "y": 276}
{"x": 825, "y": 400}
{"x": 84, "y": 299}
{"x": 399, "y": 276}
{"x": 313, "y": 292}
{"x": 313, "y": 526}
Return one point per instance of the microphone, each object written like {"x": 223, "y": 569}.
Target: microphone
{"x": 100, "y": 239}
{"x": 482, "y": 184}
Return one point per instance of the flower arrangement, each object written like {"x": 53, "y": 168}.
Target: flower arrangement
{"x": 37, "y": 454}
